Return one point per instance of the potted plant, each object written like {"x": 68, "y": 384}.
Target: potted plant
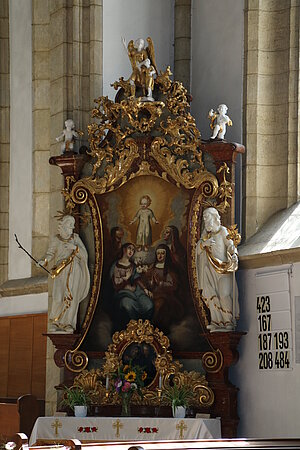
{"x": 179, "y": 397}
{"x": 77, "y": 400}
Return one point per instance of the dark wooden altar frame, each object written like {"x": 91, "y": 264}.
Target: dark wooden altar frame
{"x": 223, "y": 352}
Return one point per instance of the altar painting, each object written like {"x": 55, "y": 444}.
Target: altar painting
{"x": 145, "y": 273}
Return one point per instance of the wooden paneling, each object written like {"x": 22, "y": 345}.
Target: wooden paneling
{"x": 9, "y": 420}
{"x": 23, "y": 355}
{"x": 20, "y": 358}
{"x": 38, "y": 362}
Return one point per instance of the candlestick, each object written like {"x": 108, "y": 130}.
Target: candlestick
{"x": 160, "y": 381}
{"x": 159, "y": 393}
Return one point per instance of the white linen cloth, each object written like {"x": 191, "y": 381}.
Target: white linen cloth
{"x": 123, "y": 428}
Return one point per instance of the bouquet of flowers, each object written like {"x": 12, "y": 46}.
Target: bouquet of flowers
{"x": 126, "y": 381}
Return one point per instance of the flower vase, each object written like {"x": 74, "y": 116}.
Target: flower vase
{"x": 126, "y": 398}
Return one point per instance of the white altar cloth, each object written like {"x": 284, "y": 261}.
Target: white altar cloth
{"x": 123, "y": 428}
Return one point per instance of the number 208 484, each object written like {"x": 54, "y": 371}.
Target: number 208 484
{"x": 274, "y": 360}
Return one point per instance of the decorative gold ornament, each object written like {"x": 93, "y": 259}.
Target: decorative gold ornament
{"x": 234, "y": 235}
{"x": 69, "y": 204}
{"x": 164, "y": 81}
{"x": 94, "y": 381}
{"x": 213, "y": 361}
{"x": 76, "y": 360}
{"x": 89, "y": 381}
{"x": 225, "y": 189}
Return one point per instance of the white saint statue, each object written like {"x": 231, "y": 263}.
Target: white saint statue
{"x": 216, "y": 263}
{"x": 71, "y": 276}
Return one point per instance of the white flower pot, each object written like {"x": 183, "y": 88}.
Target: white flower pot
{"x": 178, "y": 412}
{"x": 80, "y": 411}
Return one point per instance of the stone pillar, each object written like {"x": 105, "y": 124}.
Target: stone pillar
{"x": 41, "y": 128}
{"x": 75, "y": 79}
{"x": 4, "y": 138}
{"x": 271, "y": 109}
{"x": 182, "y": 42}
{"x": 75, "y": 74}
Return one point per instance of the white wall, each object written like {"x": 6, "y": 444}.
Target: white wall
{"x": 217, "y": 62}
{"x": 217, "y": 70}
{"x": 24, "y": 304}
{"x": 268, "y": 401}
{"x": 133, "y": 19}
{"x": 20, "y": 183}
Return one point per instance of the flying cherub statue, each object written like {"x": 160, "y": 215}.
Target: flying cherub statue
{"x": 218, "y": 121}
{"x": 142, "y": 59}
{"x": 68, "y": 136}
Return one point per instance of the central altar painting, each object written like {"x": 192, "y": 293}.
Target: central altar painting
{"x": 145, "y": 264}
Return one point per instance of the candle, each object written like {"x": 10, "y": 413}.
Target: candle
{"x": 160, "y": 381}
{"x": 107, "y": 382}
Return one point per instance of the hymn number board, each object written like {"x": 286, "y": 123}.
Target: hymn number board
{"x": 273, "y": 309}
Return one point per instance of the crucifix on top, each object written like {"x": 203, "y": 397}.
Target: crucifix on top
{"x": 142, "y": 59}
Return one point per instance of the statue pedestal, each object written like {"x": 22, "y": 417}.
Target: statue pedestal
{"x": 216, "y": 363}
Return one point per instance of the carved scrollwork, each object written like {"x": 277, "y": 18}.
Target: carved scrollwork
{"x": 76, "y": 360}
{"x": 79, "y": 194}
{"x": 139, "y": 331}
{"x": 205, "y": 395}
{"x": 224, "y": 192}
{"x": 213, "y": 361}
{"x": 179, "y": 169}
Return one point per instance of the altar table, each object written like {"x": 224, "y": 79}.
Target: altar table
{"x": 97, "y": 429}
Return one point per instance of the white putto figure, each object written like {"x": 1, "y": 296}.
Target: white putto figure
{"x": 216, "y": 263}
{"x": 68, "y": 136}
{"x": 144, "y": 216}
{"x": 218, "y": 121}
{"x": 71, "y": 276}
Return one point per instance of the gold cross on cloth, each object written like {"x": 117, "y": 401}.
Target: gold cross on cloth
{"x": 182, "y": 427}
{"x": 118, "y": 425}
{"x": 57, "y": 424}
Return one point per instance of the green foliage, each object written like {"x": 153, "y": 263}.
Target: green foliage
{"x": 75, "y": 396}
{"x": 178, "y": 396}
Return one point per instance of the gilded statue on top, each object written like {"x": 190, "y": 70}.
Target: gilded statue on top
{"x": 142, "y": 59}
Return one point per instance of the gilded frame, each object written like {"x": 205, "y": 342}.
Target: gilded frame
{"x": 132, "y": 140}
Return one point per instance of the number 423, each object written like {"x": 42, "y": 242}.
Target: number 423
{"x": 263, "y": 304}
